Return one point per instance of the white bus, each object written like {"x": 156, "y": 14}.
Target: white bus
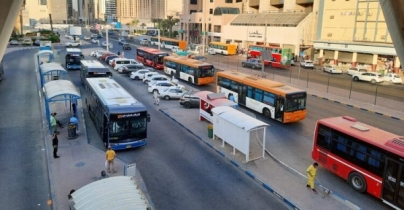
{"x": 73, "y": 58}
{"x": 93, "y": 68}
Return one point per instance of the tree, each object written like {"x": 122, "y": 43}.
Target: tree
{"x": 154, "y": 21}
{"x": 143, "y": 25}
{"x": 170, "y": 22}
{"x": 134, "y": 22}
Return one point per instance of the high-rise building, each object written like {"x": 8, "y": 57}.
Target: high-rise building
{"x": 69, "y": 10}
{"x": 158, "y": 10}
{"x": 36, "y": 10}
{"x": 110, "y": 10}
{"x": 173, "y": 8}
{"x": 142, "y": 10}
{"x": 58, "y": 10}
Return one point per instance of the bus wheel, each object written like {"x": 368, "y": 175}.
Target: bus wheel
{"x": 357, "y": 182}
{"x": 266, "y": 113}
{"x": 172, "y": 73}
{"x": 190, "y": 80}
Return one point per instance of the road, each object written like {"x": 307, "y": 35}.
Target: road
{"x": 24, "y": 176}
{"x": 292, "y": 143}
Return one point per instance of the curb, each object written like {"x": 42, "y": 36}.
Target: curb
{"x": 357, "y": 107}
{"x": 233, "y": 162}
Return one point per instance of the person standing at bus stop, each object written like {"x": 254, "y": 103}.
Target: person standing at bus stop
{"x": 311, "y": 176}
{"x": 110, "y": 156}
{"x": 53, "y": 123}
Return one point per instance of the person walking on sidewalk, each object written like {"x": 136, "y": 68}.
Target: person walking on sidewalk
{"x": 156, "y": 97}
{"x": 53, "y": 122}
{"x": 311, "y": 176}
{"x": 110, "y": 156}
{"x": 55, "y": 144}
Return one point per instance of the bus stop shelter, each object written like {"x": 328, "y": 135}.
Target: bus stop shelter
{"x": 120, "y": 192}
{"x": 242, "y": 132}
{"x": 51, "y": 71}
{"x": 40, "y": 55}
{"x": 210, "y": 100}
{"x": 60, "y": 91}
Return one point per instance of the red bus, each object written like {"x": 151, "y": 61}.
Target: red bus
{"x": 281, "y": 57}
{"x": 370, "y": 159}
{"x": 151, "y": 57}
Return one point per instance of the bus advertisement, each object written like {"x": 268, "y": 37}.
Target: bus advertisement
{"x": 93, "y": 68}
{"x": 281, "y": 57}
{"x": 73, "y": 58}
{"x": 120, "y": 119}
{"x": 168, "y": 43}
{"x": 151, "y": 57}
{"x": 370, "y": 159}
{"x": 222, "y": 48}
{"x": 274, "y": 100}
{"x": 188, "y": 69}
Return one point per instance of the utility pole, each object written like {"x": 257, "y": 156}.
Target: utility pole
{"x": 50, "y": 22}
{"x": 265, "y": 44}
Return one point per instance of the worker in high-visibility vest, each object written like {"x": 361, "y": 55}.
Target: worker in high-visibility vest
{"x": 311, "y": 176}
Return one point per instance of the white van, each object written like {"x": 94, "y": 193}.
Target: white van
{"x": 124, "y": 61}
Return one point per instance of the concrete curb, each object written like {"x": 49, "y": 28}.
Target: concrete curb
{"x": 235, "y": 163}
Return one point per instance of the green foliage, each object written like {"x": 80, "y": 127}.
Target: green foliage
{"x": 175, "y": 33}
{"x": 54, "y": 39}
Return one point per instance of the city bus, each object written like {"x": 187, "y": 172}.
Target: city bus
{"x": 274, "y": 100}
{"x": 188, "y": 69}
{"x": 93, "y": 68}
{"x": 73, "y": 58}
{"x": 281, "y": 57}
{"x": 120, "y": 119}
{"x": 168, "y": 43}
{"x": 151, "y": 57}
{"x": 370, "y": 159}
{"x": 222, "y": 48}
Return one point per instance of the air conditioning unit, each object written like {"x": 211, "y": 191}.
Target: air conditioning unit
{"x": 329, "y": 34}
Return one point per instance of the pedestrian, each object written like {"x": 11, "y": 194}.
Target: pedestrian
{"x": 57, "y": 121}
{"x": 71, "y": 202}
{"x": 110, "y": 156}
{"x": 74, "y": 108}
{"x": 311, "y": 176}
{"x": 53, "y": 123}
{"x": 103, "y": 175}
{"x": 74, "y": 120}
{"x": 55, "y": 144}
{"x": 156, "y": 97}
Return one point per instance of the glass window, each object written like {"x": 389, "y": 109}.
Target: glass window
{"x": 258, "y": 94}
{"x": 194, "y": 1}
{"x": 210, "y": 11}
{"x": 269, "y": 98}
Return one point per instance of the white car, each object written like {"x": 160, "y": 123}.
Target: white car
{"x": 159, "y": 86}
{"x": 98, "y": 54}
{"x": 94, "y": 53}
{"x": 87, "y": 38}
{"x": 372, "y": 77}
{"x": 148, "y": 75}
{"x": 95, "y": 41}
{"x": 332, "y": 69}
{"x": 94, "y": 35}
{"x": 73, "y": 44}
{"x": 172, "y": 93}
{"x": 156, "y": 78}
{"x": 393, "y": 78}
{"x": 13, "y": 42}
{"x": 307, "y": 64}
{"x": 354, "y": 70}
{"x": 139, "y": 74}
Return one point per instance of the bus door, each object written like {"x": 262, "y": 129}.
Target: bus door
{"x": 393, "y": 183}
{"x": 106, "y": 126}
{"x": 177, "y": 70}
{"x": 242, "y": 93}
{"x": 279, "y": 107}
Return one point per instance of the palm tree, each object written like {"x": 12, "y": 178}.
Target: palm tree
{"x": 170, "y": 22}
{"x": 143, "y": 25}
{"x": 135, "y": 22}
{"x": 154, "y": 21}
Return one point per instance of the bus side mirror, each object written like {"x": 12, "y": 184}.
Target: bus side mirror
{"x": 148, "y": 117}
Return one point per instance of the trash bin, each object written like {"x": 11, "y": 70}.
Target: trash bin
{"x": 210, "y": 131}
{"x": 71, "y": 131}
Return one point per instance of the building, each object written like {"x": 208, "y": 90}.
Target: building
{"x": 110, "y": 14}
{"x": 21, "y": 20}
{"x": 354, "y": 34}
{"x": 142, "y": 10}
{"x": 158, "y": 10}
{"x": 58, "y": 10}
{"x": 37, "y": 10}
{"x": 281, "y": 23}
{"x": 173, "y": 8}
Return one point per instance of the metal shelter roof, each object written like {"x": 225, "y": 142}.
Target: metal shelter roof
{"x": 60, "y": 87}
{"x": 120, "y": 192}
{"x": 47, "y": 67}
{"x": 214, "y": 102}
{"x": 238, "y": 118}
{"x": 45, "y": 52}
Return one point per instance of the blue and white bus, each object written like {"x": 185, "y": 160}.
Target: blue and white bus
{"x": 73, "y": 58}
{"x": 119, "y": 118}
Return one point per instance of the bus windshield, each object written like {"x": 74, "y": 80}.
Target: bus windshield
{"x": 206, "y": 71}
{"x": 129, "y": 127}
{"x": 73, "y": 59}
{"x": 295, "y": 102}
{"x": 160, "y": 58}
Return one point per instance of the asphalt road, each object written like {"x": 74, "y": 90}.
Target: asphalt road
{"x": 179, "y": 171}
{"x": 24, "y": 176}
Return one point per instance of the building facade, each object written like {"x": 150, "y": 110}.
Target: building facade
{"x": 142, "y": 10}
{"x": 158, "y": 10}
{"x": 58, "y": 10}
{"x": 281, "y": 23}
{"x": 37, "y": 10}
{"x": 173, "y": 8}
{"x": 354, "y": 34}
{"x": 110, "y": 14}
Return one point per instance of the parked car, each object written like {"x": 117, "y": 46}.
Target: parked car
{"x": 139, "y": 74}
{"x": 144, "y": 42}
{"x": 105, "y": 55}
{"x": 37, "y": 42}
{"x": 252, "y": 62}
{"x": 94, "y": 53}
{"x": 13, "y": 42}
{"x": 87, "y": 37}
{"x": 155, "y": 78}
{"x": 108, "y": 59}
{"x": 127, "y": 69}
{"x": 98, "y": 54}
{"x": 95, "y": 41}
{"x": 94, "y": 35}
{"x": 26, "y": 42}
{"x": 172, "y": 93}
{"x": 73, "y": 44}
{"x": 353, "y": 70}
{"x": 189, "y": 100}
{"x": 121, "y": 41}
{"x": 393, "y": 78}
{"x": 126, "y": 46}
{"x": 307, "y": 64}
{"x": 159, "y": 86}
{"x": 372, "y": 77}
{"x": 148, "y": 75}
{"x": 332, "y": 69}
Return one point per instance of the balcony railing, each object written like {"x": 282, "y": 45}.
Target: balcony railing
{"x": 277, "y": 2}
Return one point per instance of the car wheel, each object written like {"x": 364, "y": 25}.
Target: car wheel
{"x": 243, "y": 64}
{"x": 373, "y": 81}
{"x": 78, "y": 45}
{"x": 391, "y": 81}
{"x": 70, "y": 45}
{"x": 356, "y": 79}
{"x": 187, "y": 105}
{"x": 253, "y": 66}
{"x": 167, "y": 97}
{"x": 136, "y": 78}
{"x": 190, "y": 80}
{"x": 357, "y": 182}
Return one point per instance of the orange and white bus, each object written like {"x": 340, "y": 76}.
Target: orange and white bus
{"x": 188, "y": 69}
{"x": 273, "y": 99}
{"x": 151, "y": 57}
{"x": 371, "y": 159}
{"x": 168, "y": 43}
{"x": 222, "y": 48}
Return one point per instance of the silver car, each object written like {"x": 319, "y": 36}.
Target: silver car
{"x": 253, "y": 63}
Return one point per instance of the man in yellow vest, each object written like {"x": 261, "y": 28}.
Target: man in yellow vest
{"x": 311, "y": 176}
{"x": 110, "y": 156}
